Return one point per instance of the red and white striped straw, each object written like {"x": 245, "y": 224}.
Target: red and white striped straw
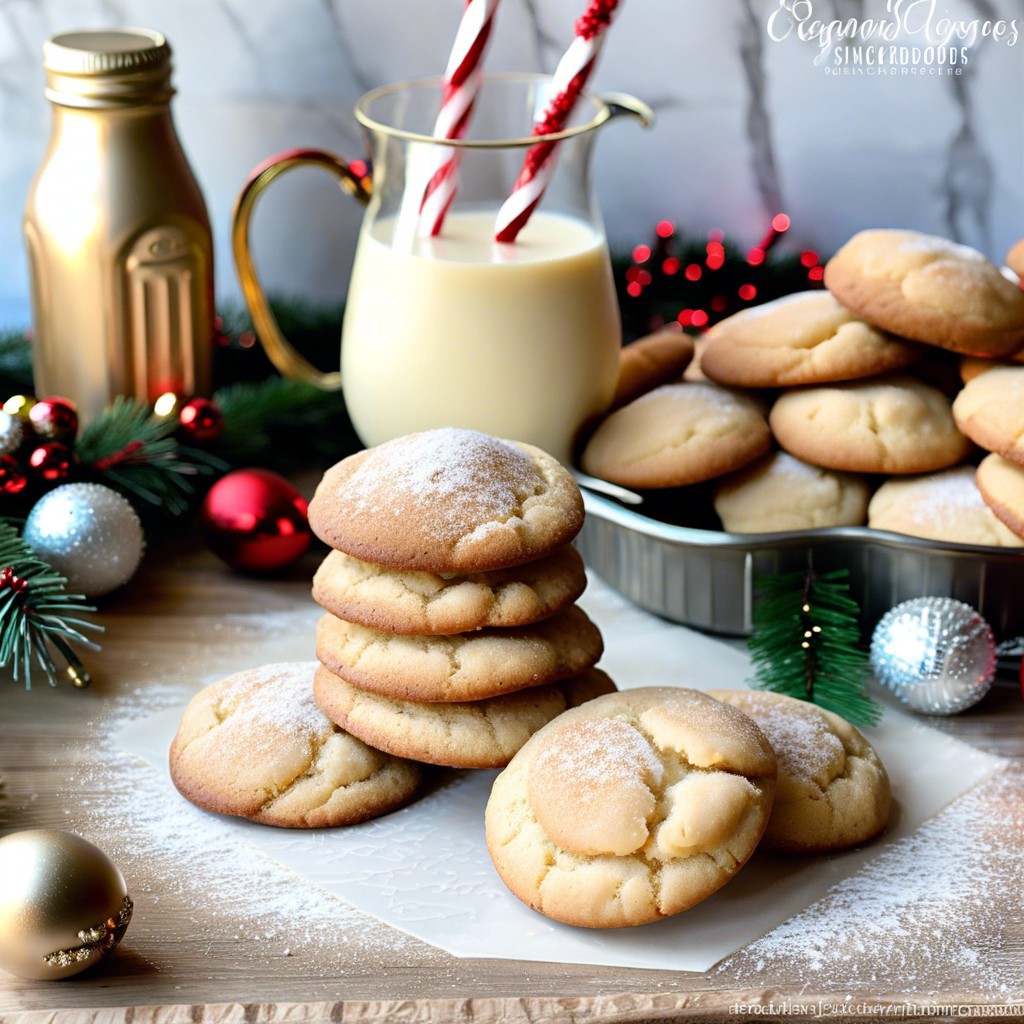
{"x": 461, "y": 85}
{"x": 568, "y": 82}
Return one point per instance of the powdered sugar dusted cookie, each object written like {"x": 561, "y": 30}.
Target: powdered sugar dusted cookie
{"x": 806, "y": 338}
{"x": 832, "y": 791}
{"x": 635, "y": 806}
{"x": 470, "y": 734}
{"x": 399, "y": 601}
{"x": 892, "y": 424}
{"x": 255, "y": 745}
{"x": 782, "y": 493}
{"x": 467, "y": 666}
{"x": 944, "y": 506}
{"x": 1001, "y": 483}
{"x": 678, "y": 434}
{"x": 990, "y": 411}
{"x": 929, "y": 289}
{"x": 447, "y": 500}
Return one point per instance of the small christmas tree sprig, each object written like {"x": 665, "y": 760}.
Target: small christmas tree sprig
{"x": 805, "y": 643}
{"x": 37, "y": 614}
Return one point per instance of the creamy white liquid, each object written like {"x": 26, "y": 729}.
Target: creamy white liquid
{"x": 520, "y": 340}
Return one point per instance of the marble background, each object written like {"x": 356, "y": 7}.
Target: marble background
{"x": 747, "y": 124}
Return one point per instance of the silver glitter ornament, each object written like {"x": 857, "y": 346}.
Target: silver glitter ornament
{"x": 937, "y": 655}
{"x": 89, "y": 534}
{"x": 12, "y": 433}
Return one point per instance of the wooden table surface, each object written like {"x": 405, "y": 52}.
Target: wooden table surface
{"x": 179, "y": 964}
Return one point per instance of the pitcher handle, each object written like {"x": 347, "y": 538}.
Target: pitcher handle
{"x": 279, "y": 349}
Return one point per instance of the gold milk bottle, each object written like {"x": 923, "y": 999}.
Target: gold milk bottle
{"x": 119, "y": 247}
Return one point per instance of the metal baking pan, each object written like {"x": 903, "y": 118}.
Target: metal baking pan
{"x": 705, "y": 578}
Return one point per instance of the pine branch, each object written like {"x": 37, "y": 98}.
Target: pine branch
{"x": 37, "y": 613}
{"x": 806, "y": 641}
{"x": 15, "y": 362}
{"x": 136, "y": 453}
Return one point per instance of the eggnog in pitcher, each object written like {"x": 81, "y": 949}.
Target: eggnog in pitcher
{"x": 517, "y": 340}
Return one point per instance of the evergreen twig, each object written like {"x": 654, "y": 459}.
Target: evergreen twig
{"x": 805, "y": 643}
{"x": 37, "y": 613}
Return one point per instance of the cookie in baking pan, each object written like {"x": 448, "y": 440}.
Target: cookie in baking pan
{"x": 945, "y": 506}
{"x": 990, "y": 411}
{"x": 779, "y": 492}
{"x": 833, "y": 790}
{"x": 407, "y": 601}
{"x": 929, "y": 289}
{"x": 892, "y": 424}
{"x": 470, "y": 734}
{"x": 806, "y": 338}
{"x": 648, "y": 362}
{"x": 255, "y": 745}
{"x": 1001, "y": 483}
{"x": 464, "y": 666}
{"x": 678, "y": 434}
{"x": 632, "y": 807}
{"x": 447, "y": 500}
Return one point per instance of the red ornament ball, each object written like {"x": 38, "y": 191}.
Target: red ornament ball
{"x": 12, "y": 479}
{"x": 201, "y": 421}
{"x": 51, "y": 461}
{"x": 255, "y": 520}
{"x": 54, "y": 419}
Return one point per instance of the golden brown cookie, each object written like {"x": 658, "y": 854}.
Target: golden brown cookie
{"x": 1015, "y": 258}
{"x": 469, "y": 734}
{"x": 990, "y": 411}
{"x": 678, "y": 434}
{"x": 832, "y": 791}
{"x": 806, "y": 338}
{"x": 651, "y": 361}
{"x": 930, "y": 290}
{"x": 780, "y": 492}
{"x": 467, "y": 666}
{"x": 397, "y": 601}
{"x": 1001, "y": 483}
{"x": 635, "y": 806}
{"x": 893, "y": 424}
{"x": 944, "y": 506}
{"x": 256, "y": 746}
{"x": 447, "y": 500}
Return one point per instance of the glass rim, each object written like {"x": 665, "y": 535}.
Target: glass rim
{"x": 603, "y": 115}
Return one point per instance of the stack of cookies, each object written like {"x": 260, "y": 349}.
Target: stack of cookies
{"x": 451, "y": 632}
{"x": 836, "y": 408}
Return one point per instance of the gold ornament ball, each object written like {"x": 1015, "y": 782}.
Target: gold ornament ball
{"x": 63, "y": 904}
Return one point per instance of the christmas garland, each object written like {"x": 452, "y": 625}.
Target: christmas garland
{"x": 163, "y": 458}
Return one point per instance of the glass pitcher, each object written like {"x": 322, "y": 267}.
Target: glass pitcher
{"x": 520, "y": 340}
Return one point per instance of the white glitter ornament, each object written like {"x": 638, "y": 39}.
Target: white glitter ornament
{"x": 12, "y": 433}
{"x": 89, "y": 534}
{"x": 936, "y": 654}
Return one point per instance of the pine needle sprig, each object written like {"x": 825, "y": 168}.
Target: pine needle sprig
{"x": 136, "y": 453}
{"x": 806, "y": 643}
{"x": 37, "y": 614}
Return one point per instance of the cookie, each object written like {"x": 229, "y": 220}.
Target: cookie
{"x": 397, "y": 601}
{"x": 678, "y": 434}
{"x": 990, "y": 411}
{"x": 945, "y": 506}
{"x": 447, "y": 500}
{"x": 806, "y": 338}
{"x": 1015, "y": 259}
{"x": 832, "y": 791}
{"x": 635, "y": 806}
{"x": 467, "y": 666}
{"x": 782, "y": 493}
{"x": 1001, "y": 483}
{"x": 929, "y": 289}
{"x": 651, "y": 361}
{"x": 255, "y": 745}
{"x": 893, "y": 424}
{"x": 470, "y": 734}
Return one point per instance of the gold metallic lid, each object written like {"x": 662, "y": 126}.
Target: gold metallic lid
{"x": 100, "y": 52}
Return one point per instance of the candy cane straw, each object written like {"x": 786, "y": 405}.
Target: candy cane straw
{"x": 461, "y": 85}
{"x": 569, "y": 79}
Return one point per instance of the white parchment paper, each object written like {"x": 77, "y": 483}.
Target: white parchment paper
{"x": 426, "y": 870}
